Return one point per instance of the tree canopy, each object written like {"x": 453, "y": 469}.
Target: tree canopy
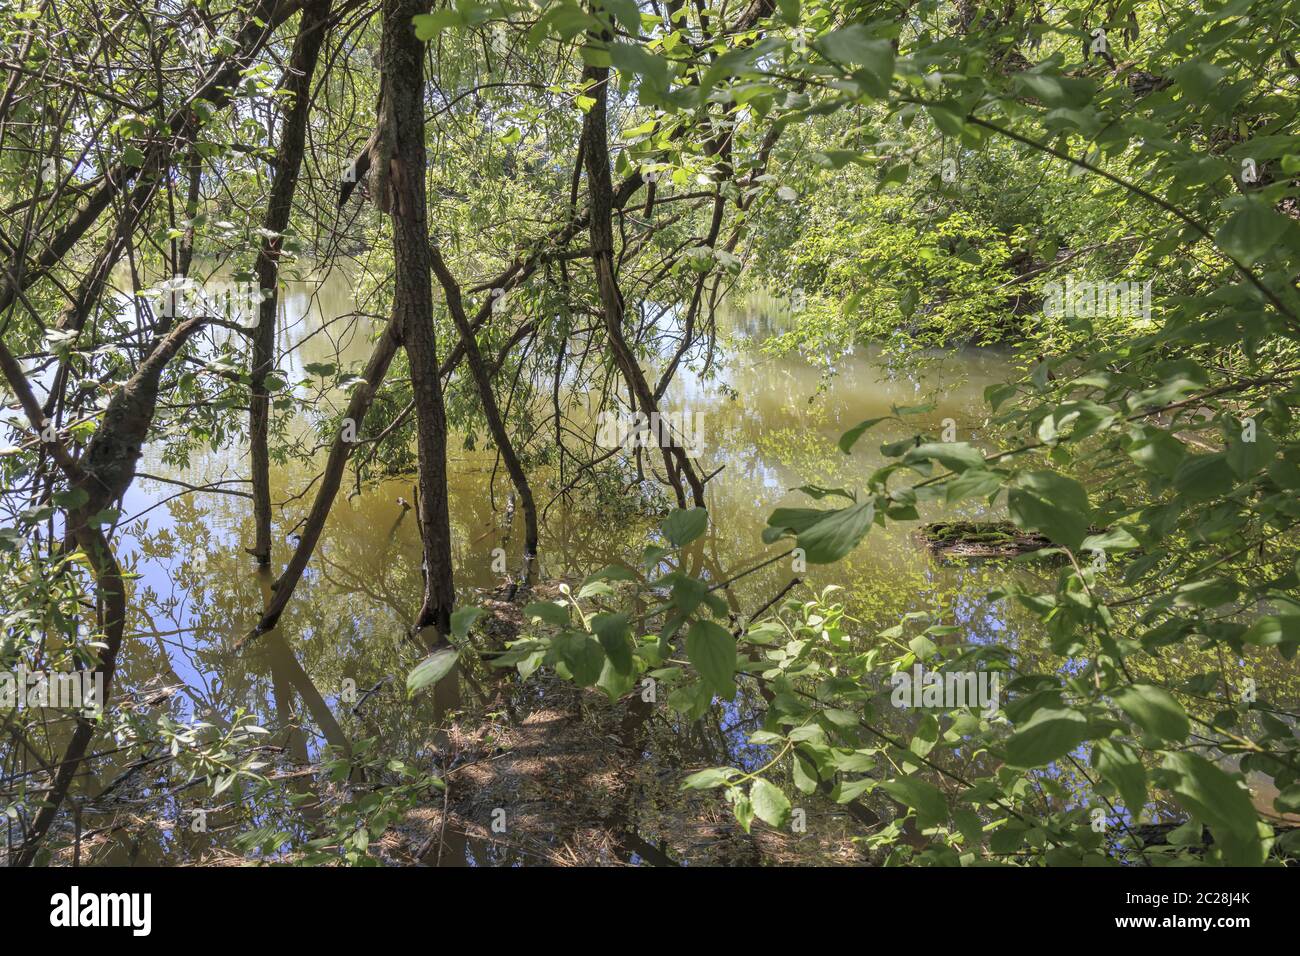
{"x": 544, "y": 209}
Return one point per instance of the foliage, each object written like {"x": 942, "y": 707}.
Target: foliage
{"x": 921, "y": 177}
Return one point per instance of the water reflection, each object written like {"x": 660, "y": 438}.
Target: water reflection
{"x": 331, "y": 673}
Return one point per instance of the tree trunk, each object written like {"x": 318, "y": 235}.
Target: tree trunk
{"x": 288, "y": 162}
{"x": 601, "y": 189}
{"x": 363, "y": 396}
{"x": 403, "y": 105}
{"x": 482, "y": 378}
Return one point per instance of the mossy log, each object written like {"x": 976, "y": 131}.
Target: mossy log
{"x": 979, "y": 539}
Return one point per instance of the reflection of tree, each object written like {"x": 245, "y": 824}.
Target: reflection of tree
{"x": 350, "y": 617}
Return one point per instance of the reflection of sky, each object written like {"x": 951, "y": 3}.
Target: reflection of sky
{"x": 737, "y": 723}
{"x": 770, "y": 439}
{"x": 767, "y": 440}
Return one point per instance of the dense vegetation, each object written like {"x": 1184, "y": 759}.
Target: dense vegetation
{"x": 544, "y": 207}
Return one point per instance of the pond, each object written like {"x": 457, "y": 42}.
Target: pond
{"x": 566, "y": 775}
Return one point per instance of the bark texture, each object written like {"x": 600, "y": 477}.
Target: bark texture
{"x": 288, "y": 162}
{"x": 403, "y": 188}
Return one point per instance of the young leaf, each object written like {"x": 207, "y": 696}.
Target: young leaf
{"x": 431, "y": 670}
{"x": 836, "y": 533}
{"x": 1049, "y": 734}
{"x": 463, "y": 620}
{"x": 1154, "y": 710}
{"x": 712, "y": 650}
{"x": 684, "y": 526}
{"x": 770, "y": 804}
{"x": 1052, "y": 504}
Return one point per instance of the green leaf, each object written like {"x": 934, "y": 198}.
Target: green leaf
{"x": 922, "y": 647}
{"x": 954, "y": 455}
{"x": 1203, "y": 477}
{"x": 1288, "y": 800}
{"x": 548, "y": 612}
{"x": 654, "y": 554}
{"x": 1052, "y": 504}
{"x": 1120, "y": 765}
{"x": 1251, "y": 232}
{"x": 894, "y": 175}
{"x": 1245, "y": 458}
{"x": 1112, "y": 539}
{"x": 712, "y": 650}
{"x": 770, "y": 804}
{"x": 744, "y": 811}
{"x": 837, "y": 533}
{"x": 1155, "y": 710}
{"x": 613, "y": 682}
{"x": 616, "y": 638}
{"x": 1211, "y": 795}
{"x": 101, "y": 518}
{"x": 1277, "y": 629}
{"x": 1049, "y": 734}
{"x": 595, "y": 589}
{"x": 611, "y": 572}
{"x": 687, "y": 592}
{"x": 429, "y": 25}
{"x": 928, "y": 801}
{"x": 691, "y": 700}
{"x": 855, "y": 45}
{"x": 684, "y": 526}
{"x": 951, "y": 123}
{"x": 795, "y": 519}
{"x": 70, "y": 498}
{"x": 850, "y": 437}
{"x": 431, "y": 670}
{"x": 1198, "y": 78}
{"x": 626, "y": 13}
{"x": 1066, "y": 91}
{"x": 804, "y": 774}
{"x": 975, "y": 483}
{"x": 766, "y": 633}
{"x": 818, "y": 492}
{"x": 582, "y": 655}
{"x": 1009, "y": 838}
{"x": 1207, "y": 592}
{"x": 708, "y": 779}
{"x": 845, "y": 791}
{"x": 634, "y": 59}
{"x": 1157, "y": 451}
{"x": 463, "y": 620}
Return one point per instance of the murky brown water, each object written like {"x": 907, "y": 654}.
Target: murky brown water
{"x": 770, "y": 423}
